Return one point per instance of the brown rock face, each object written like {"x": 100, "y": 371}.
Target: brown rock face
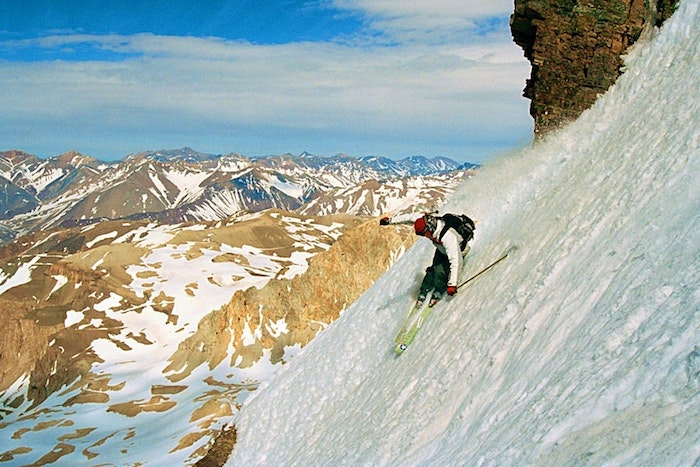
{"x": 575, "y": 48}
{"x": 306, "y": 303}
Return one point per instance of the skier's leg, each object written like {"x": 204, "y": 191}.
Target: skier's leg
{"x": 428, "y": 283}
{"x": 441, "y": 274}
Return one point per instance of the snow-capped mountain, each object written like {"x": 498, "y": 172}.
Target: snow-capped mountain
{"x": 26, "y": 180}
{"x": 184, "y": 185}
{"x": 373, "y": 198}
{"x": 415, "y": 165}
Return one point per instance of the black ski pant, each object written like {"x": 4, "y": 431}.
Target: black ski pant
{"x": 437, "y": 275}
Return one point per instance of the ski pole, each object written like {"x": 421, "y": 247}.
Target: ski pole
{"x": 484, "y": 270}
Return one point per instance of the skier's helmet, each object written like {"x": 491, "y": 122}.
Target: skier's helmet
{"x": 426, "y": 223}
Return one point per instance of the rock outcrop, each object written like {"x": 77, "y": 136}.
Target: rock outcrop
{"x": 287, "y": 313}
{"x": 576, "y": 48}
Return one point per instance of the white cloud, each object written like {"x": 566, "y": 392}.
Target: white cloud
{"x": 443, "y": 9}
{"x": 428, "y": 94}
{"x": 427, "y": 20}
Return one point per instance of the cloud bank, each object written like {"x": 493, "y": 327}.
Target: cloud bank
{"x": 420, "y": 78}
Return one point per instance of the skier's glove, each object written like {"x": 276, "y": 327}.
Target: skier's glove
{"x": 451, "y": 290}
{"x": 384, "y": 221}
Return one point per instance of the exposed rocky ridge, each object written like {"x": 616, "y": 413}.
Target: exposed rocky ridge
{"x": 576, "y": 48}
{"x": 305, "y": 304}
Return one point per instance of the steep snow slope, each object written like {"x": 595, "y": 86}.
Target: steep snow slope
{"x": 583, "y": 347}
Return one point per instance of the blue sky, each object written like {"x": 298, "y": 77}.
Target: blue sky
{"x": 385, "y": 77}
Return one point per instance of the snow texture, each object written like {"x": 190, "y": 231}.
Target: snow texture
{"x": 582, "y": 348}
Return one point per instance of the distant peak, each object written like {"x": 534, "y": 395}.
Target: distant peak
{"x": 186, "y": 154}
{"x": 15, "y": 156}
{"x": 74, "y": 159}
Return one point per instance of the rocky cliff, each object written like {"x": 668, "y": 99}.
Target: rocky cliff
{"x": 575, "y": 48}
{"x": 305, "y": 304}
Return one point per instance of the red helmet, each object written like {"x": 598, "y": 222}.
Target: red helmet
{"x": 423, "y": 224}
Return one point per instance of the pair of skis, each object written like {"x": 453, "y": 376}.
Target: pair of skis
{"x": 421, "y": 310}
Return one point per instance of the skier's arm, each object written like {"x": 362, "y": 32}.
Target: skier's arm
{"x": 451, "y": 244}
{"x": 407, "y": 219}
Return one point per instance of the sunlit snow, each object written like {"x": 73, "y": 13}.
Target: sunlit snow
{"x": 99, "y": 238}
{"x": 21, "y": 276}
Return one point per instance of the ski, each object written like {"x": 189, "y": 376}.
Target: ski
{"x": 416, "y": 317}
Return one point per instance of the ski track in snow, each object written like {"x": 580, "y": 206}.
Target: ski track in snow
{"x": 583, "y": 347}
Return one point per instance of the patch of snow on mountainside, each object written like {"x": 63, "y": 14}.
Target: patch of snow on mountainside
{"x": 19, "y": 277}
{"x": 414, "y": 194}
{"x": 42, "y": 176}
{"x": 219, "y": 206}
{"x": 188, "y": 182}
{"x": 286, "y": 187}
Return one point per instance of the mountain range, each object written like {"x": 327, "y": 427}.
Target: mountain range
{"x": 152, "y": 285}
{"x": 119, "y": 340}
{"x": 184, "y": 185}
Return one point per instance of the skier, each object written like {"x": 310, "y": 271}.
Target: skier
{"x": 450, "y": 234}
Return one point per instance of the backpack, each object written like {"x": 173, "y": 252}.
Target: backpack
{"x": 461, "y": 223}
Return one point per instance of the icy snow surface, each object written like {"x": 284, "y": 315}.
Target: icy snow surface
{"x": 583, "y": 347}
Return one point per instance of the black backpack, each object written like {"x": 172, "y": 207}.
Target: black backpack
{"x": 461, "y": 223}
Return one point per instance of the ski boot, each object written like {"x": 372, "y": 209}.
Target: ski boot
{"x": 437, "y": 296}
